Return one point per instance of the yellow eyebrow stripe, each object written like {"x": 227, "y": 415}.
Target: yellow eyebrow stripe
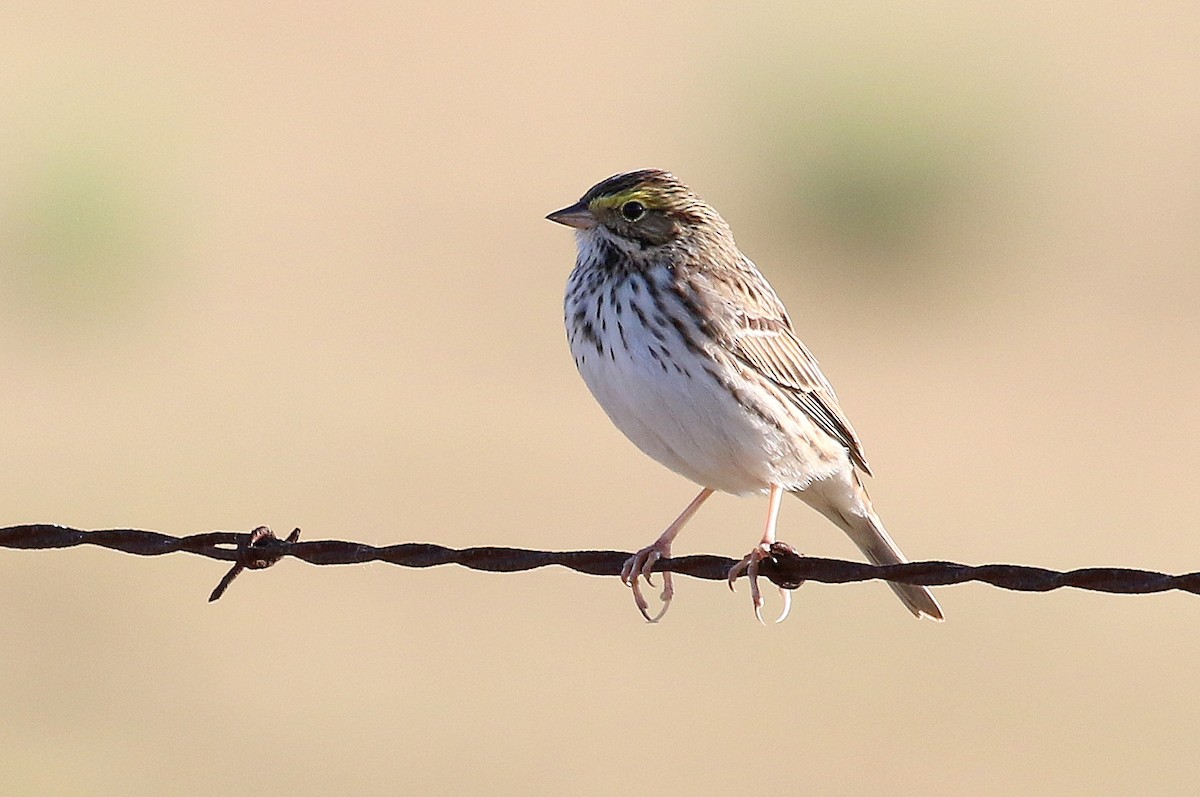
{"x": 616, "y": 200}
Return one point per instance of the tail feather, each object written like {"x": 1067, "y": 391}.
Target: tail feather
{"x": 845, "y": 502}
{"x": 879, "y": 549}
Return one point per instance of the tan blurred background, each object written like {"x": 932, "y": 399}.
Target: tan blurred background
{"x": 289, "y": 267}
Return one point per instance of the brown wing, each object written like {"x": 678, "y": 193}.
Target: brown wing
{"x": 761, "y": 335}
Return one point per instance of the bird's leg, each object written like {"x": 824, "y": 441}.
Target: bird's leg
{"x": 749, "y": 563}
{"x": 642, "y": 563}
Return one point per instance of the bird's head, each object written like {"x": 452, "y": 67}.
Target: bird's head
{"x": 644, "y": 210}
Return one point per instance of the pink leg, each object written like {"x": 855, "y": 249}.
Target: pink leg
{"x": 749, "y": 564}
{"x": 641, "y": 563}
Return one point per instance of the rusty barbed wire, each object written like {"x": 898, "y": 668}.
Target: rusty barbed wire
{"x": 786, "y": 567}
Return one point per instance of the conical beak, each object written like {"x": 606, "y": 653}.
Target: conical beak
{"x": 577, "y": 216}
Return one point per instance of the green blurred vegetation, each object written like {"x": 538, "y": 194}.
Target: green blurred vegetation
{"x": 77, "y": 236}
{"x": 876, "y": 160}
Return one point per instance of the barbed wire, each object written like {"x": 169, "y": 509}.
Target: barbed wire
{"x": 260, "y": 548}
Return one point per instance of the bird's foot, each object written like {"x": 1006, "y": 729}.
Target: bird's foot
{"x": 639, "y": 566}
{"x": 749, "y": 567}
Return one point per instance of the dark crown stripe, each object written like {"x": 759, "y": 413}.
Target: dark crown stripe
{"x": 629, "y": 180}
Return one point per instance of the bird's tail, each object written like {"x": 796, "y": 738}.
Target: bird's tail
{"x": 845, "y": 502}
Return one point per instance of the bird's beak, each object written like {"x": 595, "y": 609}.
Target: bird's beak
{"x": 577, "y": 216}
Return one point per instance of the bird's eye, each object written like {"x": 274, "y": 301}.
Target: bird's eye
{"x": 632, "y": 210}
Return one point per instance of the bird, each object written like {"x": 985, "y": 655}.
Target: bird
{"x": 692, "y": 355}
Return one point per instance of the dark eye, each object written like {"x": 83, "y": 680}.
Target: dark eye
{"x": 632, "y": 211}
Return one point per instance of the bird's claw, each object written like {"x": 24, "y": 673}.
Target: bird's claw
{"x": 786, "y": 594}
{"x": 639, "y": 566}
{"x": 749, "y": 567}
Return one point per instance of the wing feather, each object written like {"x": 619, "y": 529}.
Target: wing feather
{"x": 760, "y": 334}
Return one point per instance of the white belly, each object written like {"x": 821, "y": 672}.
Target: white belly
{"x": 660, "y": 396}
{"x": 679, "y": 421}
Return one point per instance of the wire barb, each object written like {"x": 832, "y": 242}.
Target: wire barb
{"x": 785, "y": 567}
{"x": 261, "y": 550}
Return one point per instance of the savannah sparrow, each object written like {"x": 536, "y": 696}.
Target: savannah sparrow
{"x": 692, "y": 355}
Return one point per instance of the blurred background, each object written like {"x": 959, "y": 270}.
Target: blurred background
{"x": 290, "y": 267}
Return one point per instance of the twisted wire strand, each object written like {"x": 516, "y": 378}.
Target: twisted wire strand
{"x": 260, "y": 549}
